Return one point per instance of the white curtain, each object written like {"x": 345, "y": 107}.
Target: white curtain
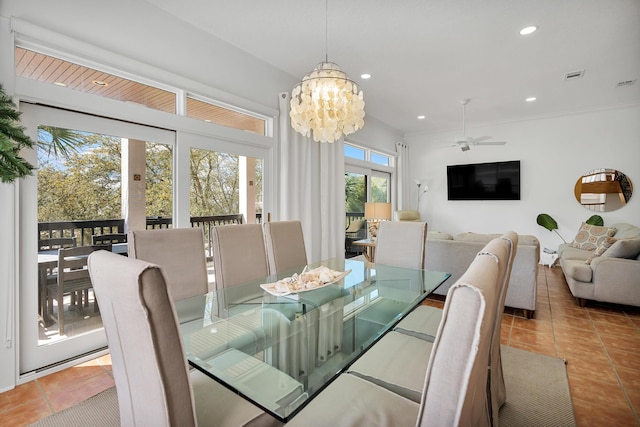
{"x": 311, "y": 188}
{"x": 404, "y": 178}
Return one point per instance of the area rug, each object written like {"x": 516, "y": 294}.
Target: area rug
{"x": 537, "y": 395}
{"x": 537, "y": 390}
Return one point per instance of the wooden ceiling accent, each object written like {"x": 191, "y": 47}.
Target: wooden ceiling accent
{"x": 44, "y": 68}
{"x": 222, "y": 116}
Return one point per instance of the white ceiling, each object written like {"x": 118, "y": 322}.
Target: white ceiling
{"x": 425, "y": 56}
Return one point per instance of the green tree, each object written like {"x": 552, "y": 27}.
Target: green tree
{"x": 12, "y": 140}
{"x": 354, "y": 192}
{"x": 214, "y": 183}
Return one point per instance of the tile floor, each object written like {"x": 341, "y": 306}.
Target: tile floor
{"x": 601, "y": 344}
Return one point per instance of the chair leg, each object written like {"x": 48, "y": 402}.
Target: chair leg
{"x": 61, "y": 313}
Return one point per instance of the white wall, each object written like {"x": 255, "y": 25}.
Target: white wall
{"x": 554, "y": 152}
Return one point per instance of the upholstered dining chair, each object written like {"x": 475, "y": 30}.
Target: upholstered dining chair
{"x": 453, "y": 387}
{"x": 423, "y": 322}
{"x": 401, "y": 243}
{"x": 181, "y": 254}
{"x": 401, "y": 371}
{"x": 153, "y": 381}
{"x": 239, "y": 256}
{"x": 284, "y": 241}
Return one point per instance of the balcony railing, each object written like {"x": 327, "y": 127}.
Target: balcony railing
{"x": 82, "y": 230}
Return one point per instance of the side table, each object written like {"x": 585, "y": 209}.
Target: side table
{"x": 368, "y": 248}
{"x": 548, "y": 259}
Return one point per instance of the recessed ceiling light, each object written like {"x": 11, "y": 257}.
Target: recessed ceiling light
{"x": 421, "y": 117}
{"x": 531, "y": 99}
{"x": 365, "y": 76}
{"x": 59, "y": 84}
{"x": 528, "y": 30}
{"x": 99, "y": 83}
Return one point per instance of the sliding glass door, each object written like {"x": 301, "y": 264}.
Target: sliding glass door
{"x": 95, "y": 178}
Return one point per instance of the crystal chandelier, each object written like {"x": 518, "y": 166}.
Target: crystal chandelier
{"x": 326, "y": 104}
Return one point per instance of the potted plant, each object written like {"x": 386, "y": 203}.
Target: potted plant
{"x": 12, "y": 140}
{"x": 546, "y": 221}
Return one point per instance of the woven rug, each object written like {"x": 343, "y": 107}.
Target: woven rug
{"x": 537, "y": 390}
{"x": 537, "y": 395}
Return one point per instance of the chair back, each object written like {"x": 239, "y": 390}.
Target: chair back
{"x": 149, "y": 366}
{"x": 401, "y": 243}
{"x": 239, "y": 254}
{"x": 111, "y": 238}
{"x": 455, "y": 388}
{"x": 284, "y": 241}
{"x": 56, "y": 243}
{"x": 505, "y": 248}
{"x": 179, "y": 252}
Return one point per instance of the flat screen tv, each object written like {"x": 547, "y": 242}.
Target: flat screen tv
{"x": 484, "y": 181}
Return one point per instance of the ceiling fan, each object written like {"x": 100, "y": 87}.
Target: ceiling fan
{"x": 466, "y": 142}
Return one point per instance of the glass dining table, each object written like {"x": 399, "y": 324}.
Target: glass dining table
{"x": 279, "y": 351}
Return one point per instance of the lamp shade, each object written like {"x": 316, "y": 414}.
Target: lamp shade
{"x": 377, "y": 211}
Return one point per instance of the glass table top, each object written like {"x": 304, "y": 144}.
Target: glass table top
{"x": 280, "y": 351}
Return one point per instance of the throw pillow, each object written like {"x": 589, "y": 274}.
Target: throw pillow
{"x": 624, "y": 248}
{"x": 606, "y": 244}
{"x": 589, "y": 237}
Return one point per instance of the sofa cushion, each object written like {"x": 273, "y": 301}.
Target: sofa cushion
{"x": 626, "y": 231}
{"x": 577, "y": 270}
{"x": 606, "y": 244}
{"x": 407, "y": 215}
{"x": 589, "y": 236}
{"x": 476, "y": 237}
{"x": 624, "y": 248}
{"x": 437, "y": 235}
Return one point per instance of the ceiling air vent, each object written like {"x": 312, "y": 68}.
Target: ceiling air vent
{"x": 626, "y": 83}
{"x": 574, "y": 75}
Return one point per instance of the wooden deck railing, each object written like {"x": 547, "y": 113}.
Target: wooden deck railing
{"x": 84, "y": 229}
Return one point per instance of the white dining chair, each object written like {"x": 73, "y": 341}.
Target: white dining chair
{"x": 285, "y": 245}
{"x": 153, "y": 381}
{"x": 401, "y": 243}
{"x": 181, "y": 254}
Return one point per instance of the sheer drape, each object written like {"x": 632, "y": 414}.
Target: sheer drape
{"x": 311, "y": 188}
{"x": 404, "y": 178}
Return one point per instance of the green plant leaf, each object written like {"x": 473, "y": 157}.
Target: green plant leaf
{"x": 547, "y": 222}
{"x": 595, "y": 220}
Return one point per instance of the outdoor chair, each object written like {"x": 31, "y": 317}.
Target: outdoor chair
{"x": 72, "y": 279}
{"x": 48, "y": 244}
{"x": 355, "y": 231}
{"x": 112, "y": 238}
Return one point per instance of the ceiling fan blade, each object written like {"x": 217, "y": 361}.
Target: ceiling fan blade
{"x": 479, "y": 139}
{"x": 492, "y": 143}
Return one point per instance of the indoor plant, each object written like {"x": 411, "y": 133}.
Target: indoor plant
{"x": 12, "y": 140}
{"x": 550, "y": 224}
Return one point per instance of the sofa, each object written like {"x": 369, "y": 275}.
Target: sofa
{"x": 608, "y": 270}
{"x": 453, "y": 254}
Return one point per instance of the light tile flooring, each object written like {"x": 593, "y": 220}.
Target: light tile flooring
{"x": 601, "y": 344}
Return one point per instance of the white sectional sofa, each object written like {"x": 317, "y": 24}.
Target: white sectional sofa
{"x": 454, "y": 254}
